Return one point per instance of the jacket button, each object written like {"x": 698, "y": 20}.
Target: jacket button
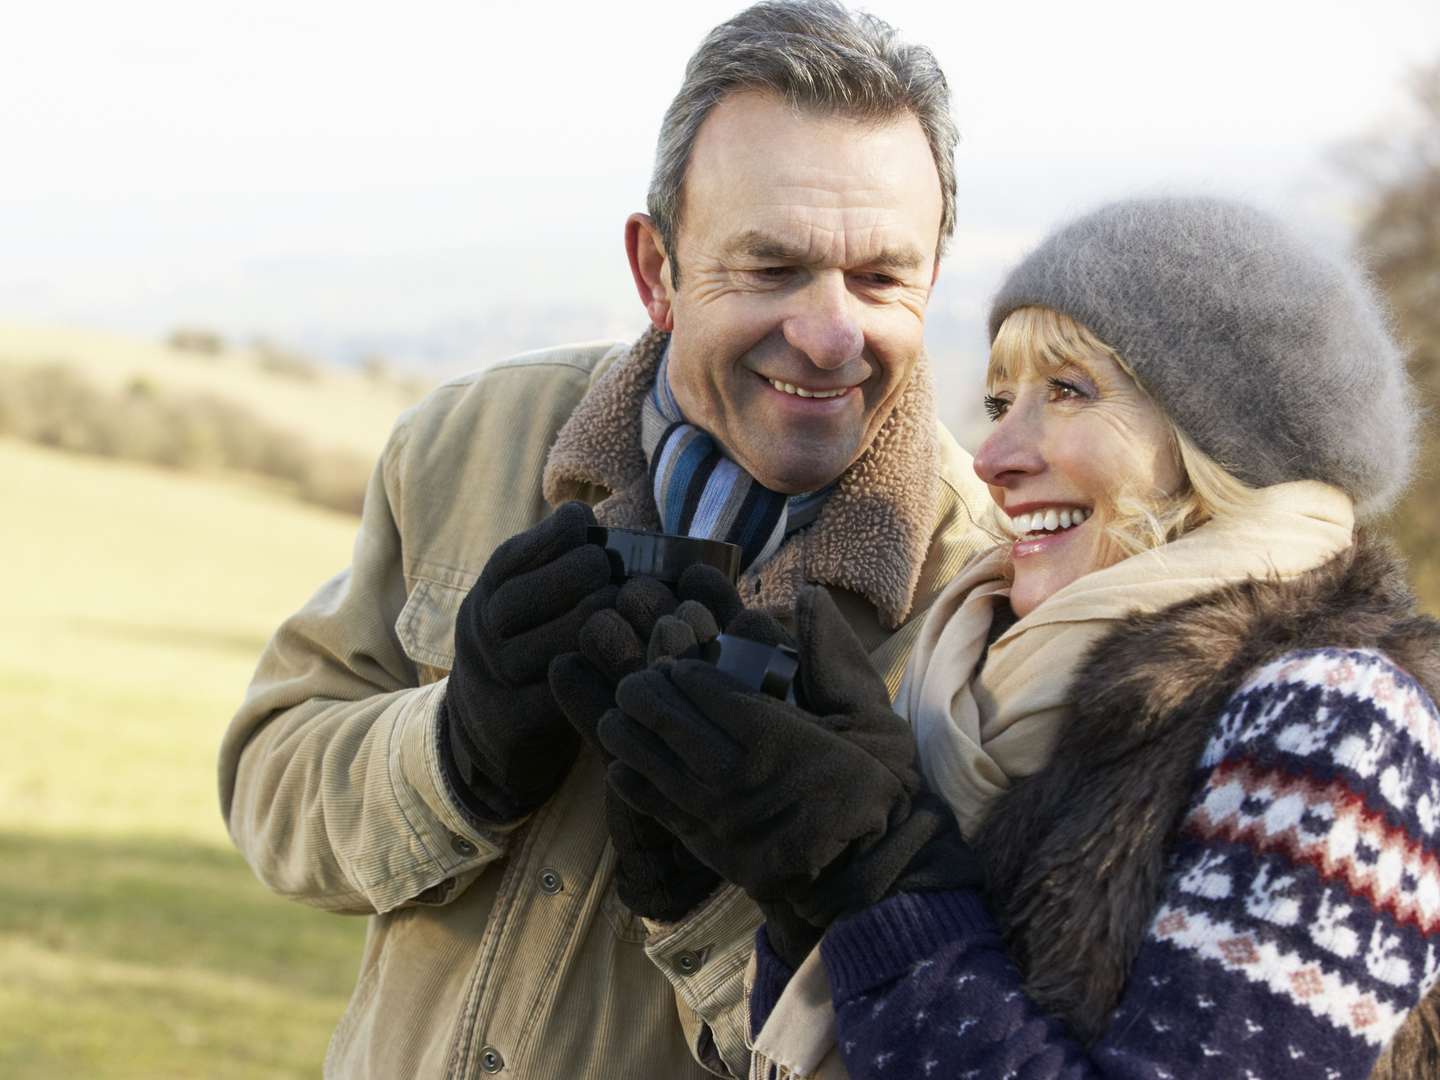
{"x": 687, "y": 963}
{"x": 462, "y": 846}
{"x": 551, "y": 881}
{"x": 490, "y": 1059}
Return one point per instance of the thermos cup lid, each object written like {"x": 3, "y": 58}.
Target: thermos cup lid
{"x": 662, "y": 556}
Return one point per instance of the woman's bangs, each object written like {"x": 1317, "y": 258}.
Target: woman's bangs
{"x": 1033, "y": 340}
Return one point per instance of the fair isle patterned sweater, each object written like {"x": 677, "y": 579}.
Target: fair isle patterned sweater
{"x": 1297, "y": 927}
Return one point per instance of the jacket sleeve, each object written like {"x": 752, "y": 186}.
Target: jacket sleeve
{"x": 704, "y": 956}
{"x": 330, "y": 780}
{"x": 1296, "y": 930}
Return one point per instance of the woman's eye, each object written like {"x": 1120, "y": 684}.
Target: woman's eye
{"x": 1062, "y": 389}
{"x": 995, "y": 407}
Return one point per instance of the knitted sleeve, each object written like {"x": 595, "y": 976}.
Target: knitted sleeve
{"x": 1297, "y": 927}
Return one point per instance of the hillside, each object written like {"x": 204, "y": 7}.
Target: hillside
{"x": 194, "y": 404}
{"x": 334, "y": 409}
{"x": 134, "y": 940}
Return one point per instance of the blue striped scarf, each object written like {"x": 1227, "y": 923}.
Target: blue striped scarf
{"x": 701, "y": 492}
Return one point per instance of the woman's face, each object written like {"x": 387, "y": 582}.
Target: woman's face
{"x": 1067, "y": 441}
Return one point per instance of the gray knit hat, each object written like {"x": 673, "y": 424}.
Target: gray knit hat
{"x": 1274, "y": 358}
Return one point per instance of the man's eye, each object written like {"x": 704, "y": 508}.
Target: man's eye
{"x": 774, "y": 273}
{"x": 880, "y": 281}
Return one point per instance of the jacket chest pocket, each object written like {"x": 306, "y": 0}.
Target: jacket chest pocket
{"x": 426, "y": 627}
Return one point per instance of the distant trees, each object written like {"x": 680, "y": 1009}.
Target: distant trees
{"x": 1399, "y": 236}
{"x": 60, "y": 407}
{"x": 276, "y": 360}
{"x": 193, "y": 339}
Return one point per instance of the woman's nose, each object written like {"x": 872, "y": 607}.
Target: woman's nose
{"x": 1011, "y": 451}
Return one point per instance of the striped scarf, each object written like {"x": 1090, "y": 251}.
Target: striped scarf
{"x": 701, "y": 492}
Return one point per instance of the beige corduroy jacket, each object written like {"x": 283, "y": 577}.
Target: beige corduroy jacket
{"x": 506, "y": 951}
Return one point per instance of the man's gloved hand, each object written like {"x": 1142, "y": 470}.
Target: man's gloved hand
{"x": 816, "y": 806}
{"x": 647, "y": 622}
{"x": 506, "y": 744}
{"x": 655, "y": 876}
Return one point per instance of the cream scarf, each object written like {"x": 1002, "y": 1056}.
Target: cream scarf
{"x": 977, "y": 734}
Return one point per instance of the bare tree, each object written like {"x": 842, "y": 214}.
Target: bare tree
{"x": 1399, "y": 237}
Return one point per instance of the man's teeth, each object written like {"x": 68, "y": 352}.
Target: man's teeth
{"x": 1048, "y": 520}
{"x": 800, "y": 391}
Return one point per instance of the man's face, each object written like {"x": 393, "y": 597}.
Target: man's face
{"x": 807, "y": 252}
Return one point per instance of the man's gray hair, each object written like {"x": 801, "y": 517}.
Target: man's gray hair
{"x": 815, "y": 55}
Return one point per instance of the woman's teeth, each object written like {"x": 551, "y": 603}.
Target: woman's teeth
{"x": 1048, "y": 520}
{"x": 800, "y": 391}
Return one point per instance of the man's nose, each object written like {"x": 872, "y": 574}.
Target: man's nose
{"x": 1011, "y": 452}
{"x": 824, "y": 325}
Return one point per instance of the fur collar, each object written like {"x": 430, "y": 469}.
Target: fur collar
{"x": 871, "y": 536}
{"x": 1076, "y": 853}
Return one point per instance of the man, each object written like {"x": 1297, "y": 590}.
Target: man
{"x": 391, "y": 761}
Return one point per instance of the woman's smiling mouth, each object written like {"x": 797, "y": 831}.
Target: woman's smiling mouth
{"x": 1048, "y": 520}
{"x": 1041, "y": 528}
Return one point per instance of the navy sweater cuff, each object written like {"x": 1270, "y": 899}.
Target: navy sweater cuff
{"x": 885, "y": 941}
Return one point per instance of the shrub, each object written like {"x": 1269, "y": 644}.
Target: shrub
{"x": 56, "y": 406}
{"x": 194, "y": 340}
{"x": 277, "y": 361}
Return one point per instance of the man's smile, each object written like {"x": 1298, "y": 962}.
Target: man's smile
{"x": 804, "y": 392}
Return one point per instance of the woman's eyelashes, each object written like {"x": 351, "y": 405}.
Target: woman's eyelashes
{"x": 1066, "y": 390}
{"x": 1059, "y": 389}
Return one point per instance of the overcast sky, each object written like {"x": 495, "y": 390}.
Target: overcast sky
{"x": 311, "y": 168}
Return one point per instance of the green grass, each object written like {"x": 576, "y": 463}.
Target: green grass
{"x": 134, "y": 941}
{"x": 158, "y": 957}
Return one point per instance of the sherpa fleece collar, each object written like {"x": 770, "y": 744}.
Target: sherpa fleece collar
{"x": 871, "y": 537}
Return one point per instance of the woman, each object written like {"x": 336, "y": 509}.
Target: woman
{"x": 1183, "y": 714}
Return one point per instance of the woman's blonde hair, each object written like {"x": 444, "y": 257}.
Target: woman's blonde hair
{"x": 1041, "y": 339}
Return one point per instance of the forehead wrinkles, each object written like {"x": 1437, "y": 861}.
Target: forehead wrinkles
{"x": 836, "y": 201}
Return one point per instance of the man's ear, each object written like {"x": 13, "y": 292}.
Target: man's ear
{"x": 649, "y": 266}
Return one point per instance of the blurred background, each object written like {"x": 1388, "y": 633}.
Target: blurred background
{"x": 237, "y": 239}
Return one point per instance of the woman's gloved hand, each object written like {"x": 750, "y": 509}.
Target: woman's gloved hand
{"x": 505, "y": 744}
{"x": 817, "y": 806}
{"x": 682, "y": 634}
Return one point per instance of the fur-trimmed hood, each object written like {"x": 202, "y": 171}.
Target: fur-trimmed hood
{"x": 1076, "y": 853}
{"x": 872, "y": 534}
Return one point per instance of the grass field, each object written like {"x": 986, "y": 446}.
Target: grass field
{"x": 133, "y": 940}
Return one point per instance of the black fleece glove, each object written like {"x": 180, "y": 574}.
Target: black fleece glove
{"x": 655, "y": 875}
{"x": 506, "y": 744}
{"x": 815, "y": 806}
{"x": 790, "y": 936}
{"x": 647, "y": 622}
{"x": 934, "y": 866}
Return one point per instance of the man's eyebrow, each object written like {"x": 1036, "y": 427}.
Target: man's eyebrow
{"x": 765, "y": 247}
{"x": 760, "y": 245}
